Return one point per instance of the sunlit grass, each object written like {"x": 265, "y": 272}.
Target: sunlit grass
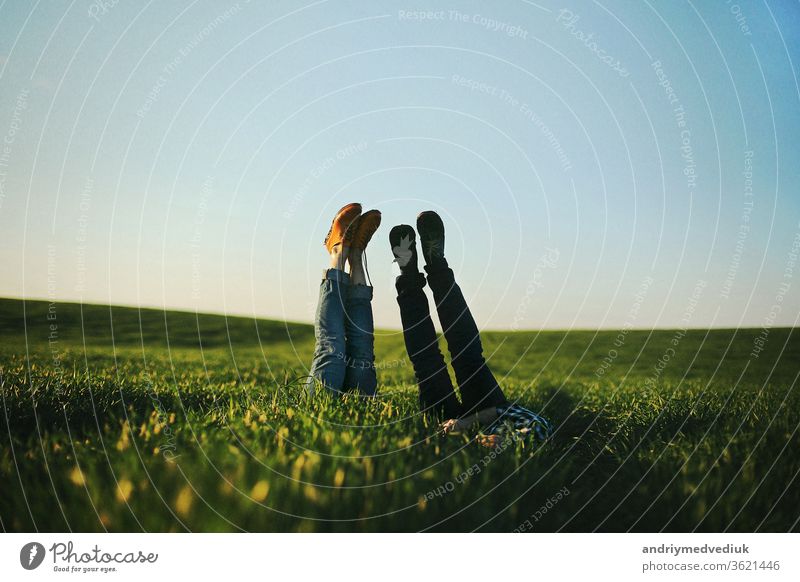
{"x": 156, "y": 435}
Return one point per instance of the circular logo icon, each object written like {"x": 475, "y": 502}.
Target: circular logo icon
{"x": 31, "y": 555}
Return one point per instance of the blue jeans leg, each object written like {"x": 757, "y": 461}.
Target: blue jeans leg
{"x": 360, "y": 331}
{"x": 330, "y": 352}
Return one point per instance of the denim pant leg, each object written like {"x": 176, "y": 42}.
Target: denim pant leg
{"x": 360, "y": 332}
{"x": 436, "y": 392}
{"x": 477, "y": 384}
{"x": 328, "y": 366}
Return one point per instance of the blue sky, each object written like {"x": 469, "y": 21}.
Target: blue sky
{"x": 597, "y": 164}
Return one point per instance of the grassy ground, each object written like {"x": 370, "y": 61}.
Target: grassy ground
{"x": 175, "y": 422}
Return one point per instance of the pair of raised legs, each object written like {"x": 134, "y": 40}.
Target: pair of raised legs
{"x": 480, "y": 392}
{"x": 344, "y": 356}
{"x": 478, "y": 386}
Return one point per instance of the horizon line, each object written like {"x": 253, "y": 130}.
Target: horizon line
{"x": 239, "y": 315}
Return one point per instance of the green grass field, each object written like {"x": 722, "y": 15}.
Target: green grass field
{"x": 135, "y": 420}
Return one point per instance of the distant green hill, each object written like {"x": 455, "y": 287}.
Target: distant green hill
{"x": 132, "y": 326}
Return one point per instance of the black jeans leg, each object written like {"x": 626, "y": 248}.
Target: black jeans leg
{"x": 477, "y": 384}
{"x": 436, "y": 392}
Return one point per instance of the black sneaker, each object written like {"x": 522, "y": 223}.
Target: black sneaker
{"x": 404, "y": 247}
{"x": 431, "y": 236}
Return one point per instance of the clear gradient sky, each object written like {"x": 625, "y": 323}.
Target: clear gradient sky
{"x": 597, "y": 164}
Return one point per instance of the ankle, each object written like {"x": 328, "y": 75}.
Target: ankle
{"x": 339, "y": 256}
{"x": 355, "y": 258}
{"x": 436, "y": 264}
{"x": 409, "y": 269}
